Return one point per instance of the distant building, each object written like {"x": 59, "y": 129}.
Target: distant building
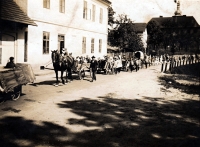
{"x": 141, "y": 30}
{"x": 78, "y": 25}
{"x": 184, "y": 31}
{"x": 180, "y": 31}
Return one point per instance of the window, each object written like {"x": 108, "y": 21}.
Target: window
{"x": 62, "y": 6}
{"x": 46, "y": 4}
{"x": 93, "y": 12}
{"x": 92, "y": 45}
{"x": 0, "y": 39}
{"x": 46, "y": 42}
{"x": 85, "y": 10}
{"x": 25, "y": 46}
{"x": 0, "y": 55}
{"x": 100, "y": 45}
{"x": 90, "y": 14}
{"x": 0, "y": 49}
{"x": 84, "y": 45}
{"x": 101, "y": 16}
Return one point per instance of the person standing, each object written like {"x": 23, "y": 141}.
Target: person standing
{"x": 93, "y": 68}
{"x": 115, "y": 62}
{"x": 131, "y": 64}
{"x": 119, "y": 64}
{"x": 11, "y": 63}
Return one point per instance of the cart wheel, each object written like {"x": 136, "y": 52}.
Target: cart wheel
{"x": 1, "y": 100}
{"x": 83, "y": 74}
{"x": 107, "y": 72}
{"x": 16, "y": 96}
{"x": 79, "y": 75}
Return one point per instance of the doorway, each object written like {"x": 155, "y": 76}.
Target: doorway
{"x": 61, "y": 42}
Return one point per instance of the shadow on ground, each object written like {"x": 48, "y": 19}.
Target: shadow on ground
{"x": 185, "y": 78}
{"x": 118, "y": 122}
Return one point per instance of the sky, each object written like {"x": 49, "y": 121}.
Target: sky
{"x": 144, "y": 10}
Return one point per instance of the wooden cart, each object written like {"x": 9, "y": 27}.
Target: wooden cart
{"x": 11, "y": 80}
{"x": 81, "y": 69}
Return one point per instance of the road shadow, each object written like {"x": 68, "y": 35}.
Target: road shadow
{"x": 15, "y": 130}
{"x": 142, "y": 122}
{"x": 186, "y": 78}
{"x": 110, "y": 121}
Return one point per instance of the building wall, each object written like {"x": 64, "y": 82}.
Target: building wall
{"x": 12, "y": 44}
{"x": 70, "y": 24}
{"x": 143, "y": 37}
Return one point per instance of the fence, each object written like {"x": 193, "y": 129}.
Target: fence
{"x": 169, "y": 65}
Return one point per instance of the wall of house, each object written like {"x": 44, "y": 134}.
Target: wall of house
{"x": 12, "y": 44}
{"x": 70, "y": 24}
{"x": 144, "y": 39}
{"x": 19, "y": 55}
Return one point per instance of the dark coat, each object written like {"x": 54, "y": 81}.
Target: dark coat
{"x": 93, "y": 65}
{"x": 10, "y": 65}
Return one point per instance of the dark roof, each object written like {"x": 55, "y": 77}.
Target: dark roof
{"x": 106, "y": 1}
{"x": 12, "y": 12}
{"x": 112, "y": 48}
{"x": 140, "y": 27}
{"x": 184, "y": 21}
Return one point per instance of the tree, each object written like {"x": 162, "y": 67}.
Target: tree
{"x": 124, "y": 35}
{"x": 111, "y": 14}
{"x": 155, "y": 35}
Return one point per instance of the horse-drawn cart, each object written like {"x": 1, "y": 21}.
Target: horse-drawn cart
{"x": 11, "y": 80}
{"x": 80, "y": 69}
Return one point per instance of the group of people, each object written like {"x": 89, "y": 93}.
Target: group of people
{"x": 115, "y": 62}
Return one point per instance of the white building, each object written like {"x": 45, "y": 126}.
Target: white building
{"x": 78, "y": 25}
{"x": 142, "y": 32}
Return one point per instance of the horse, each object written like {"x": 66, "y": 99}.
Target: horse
{"x": 62, "y": 64}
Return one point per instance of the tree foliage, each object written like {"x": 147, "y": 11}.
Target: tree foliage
{"x": 124, "y": 35}
{"x": 111, "y": 14}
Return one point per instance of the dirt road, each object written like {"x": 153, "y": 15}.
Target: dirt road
{"x": 125, "y": 110}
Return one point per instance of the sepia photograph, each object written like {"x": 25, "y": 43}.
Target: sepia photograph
{"x": 99, "y": 73}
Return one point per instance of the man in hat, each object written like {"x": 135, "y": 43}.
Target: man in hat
{"x": 93, "y": 68}
{"x": 64, "y": 52}
{"x": 11, "y": 63}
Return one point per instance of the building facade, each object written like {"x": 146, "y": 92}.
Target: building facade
{"x": 78, "y": 25}
{"x": 176, "y": 34}
{"x": 141, "y": 30}
{"x": 179, "y": 33}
